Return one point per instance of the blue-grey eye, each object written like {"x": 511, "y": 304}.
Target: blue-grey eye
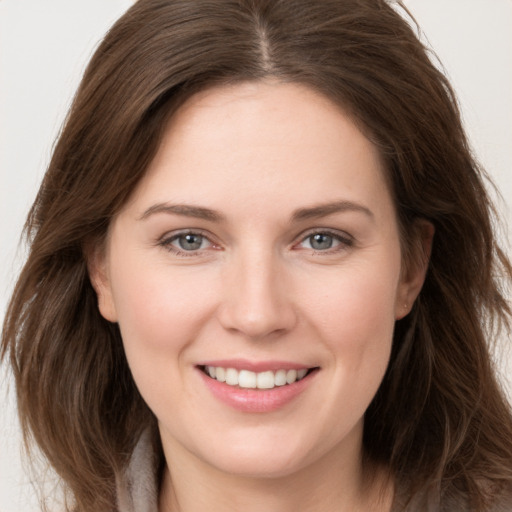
{"x": 190, "y": 241}
{"x": 325, "y": 241}
{"x": 321, "y": 241}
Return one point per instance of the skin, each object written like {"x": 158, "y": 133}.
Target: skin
{"x": 257, "y": 290}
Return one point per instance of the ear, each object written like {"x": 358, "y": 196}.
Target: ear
{"x": 97, "y": 266}
{"x": 415, "y": 268}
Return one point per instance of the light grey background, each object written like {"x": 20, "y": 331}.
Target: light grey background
{"x": 44, "y": 46}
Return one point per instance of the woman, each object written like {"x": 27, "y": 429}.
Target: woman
{"x": 262, "y": 272}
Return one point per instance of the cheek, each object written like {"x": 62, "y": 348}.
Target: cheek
{"x": 355, "y": 320}
{"x": 158, "y": 310}
{"x": 360, "y": 300}
{"x": 160, "y": 313}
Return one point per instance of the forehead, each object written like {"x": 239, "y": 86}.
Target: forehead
{"x": 258, "y": 143}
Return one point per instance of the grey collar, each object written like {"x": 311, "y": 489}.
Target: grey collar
{"x": 137, "y": 489}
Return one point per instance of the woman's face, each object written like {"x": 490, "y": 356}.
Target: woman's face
{"x": 262, "y": 244}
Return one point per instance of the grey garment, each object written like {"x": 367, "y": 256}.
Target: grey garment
{"x": 137, "y": 490}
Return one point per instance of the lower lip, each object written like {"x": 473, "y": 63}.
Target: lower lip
{"x": 257, "y": 400}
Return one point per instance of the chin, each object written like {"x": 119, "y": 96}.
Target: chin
{"x": 259, "y": 465}
{"x": 261, "y": 455}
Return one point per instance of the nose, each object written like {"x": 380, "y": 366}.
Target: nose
{"x": 257, "y": 297}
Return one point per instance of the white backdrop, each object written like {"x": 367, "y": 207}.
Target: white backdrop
{"x": 44, "y": 45}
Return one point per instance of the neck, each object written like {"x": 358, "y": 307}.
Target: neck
{"x": 335, "y": 482}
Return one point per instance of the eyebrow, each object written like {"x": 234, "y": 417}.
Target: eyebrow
{"x": 323, "y": 210}
{"x": 301, "y": 214}
{"x": 184, "y": 210}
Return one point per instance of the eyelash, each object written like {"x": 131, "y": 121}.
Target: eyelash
{"x": 345, "y": 241}
{"x": 166, "y": 243}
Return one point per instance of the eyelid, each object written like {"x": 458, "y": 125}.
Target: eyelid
{"x": 346, "y": 240}
{"x": 166, "y": 240}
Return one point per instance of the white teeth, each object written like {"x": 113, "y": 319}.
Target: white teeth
{"x": 231, "y": 377}
{"x": 280, "y": 378}
{"x": 291, "y": 376}
{"x": 301, "y": 373}
{"x": 253, "y": 380}
{"x": 220, "y": 374}
{"x": 266, "y": 380}
{"x": 246, "y": 379}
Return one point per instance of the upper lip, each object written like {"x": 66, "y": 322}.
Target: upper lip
{"x": 255, "y": 366}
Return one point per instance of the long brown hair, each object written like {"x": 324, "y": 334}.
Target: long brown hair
{"x": 439, "y": 421}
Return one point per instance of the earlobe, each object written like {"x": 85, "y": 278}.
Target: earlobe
{"x": 415, "y": 268}
{"x": 98, "y": 274}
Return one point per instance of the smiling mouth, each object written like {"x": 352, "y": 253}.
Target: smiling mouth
{"x": 246, "y": 379}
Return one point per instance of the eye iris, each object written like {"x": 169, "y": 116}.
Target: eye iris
{"x": 190, "y": 242}
{"x": 321, "y": 241}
